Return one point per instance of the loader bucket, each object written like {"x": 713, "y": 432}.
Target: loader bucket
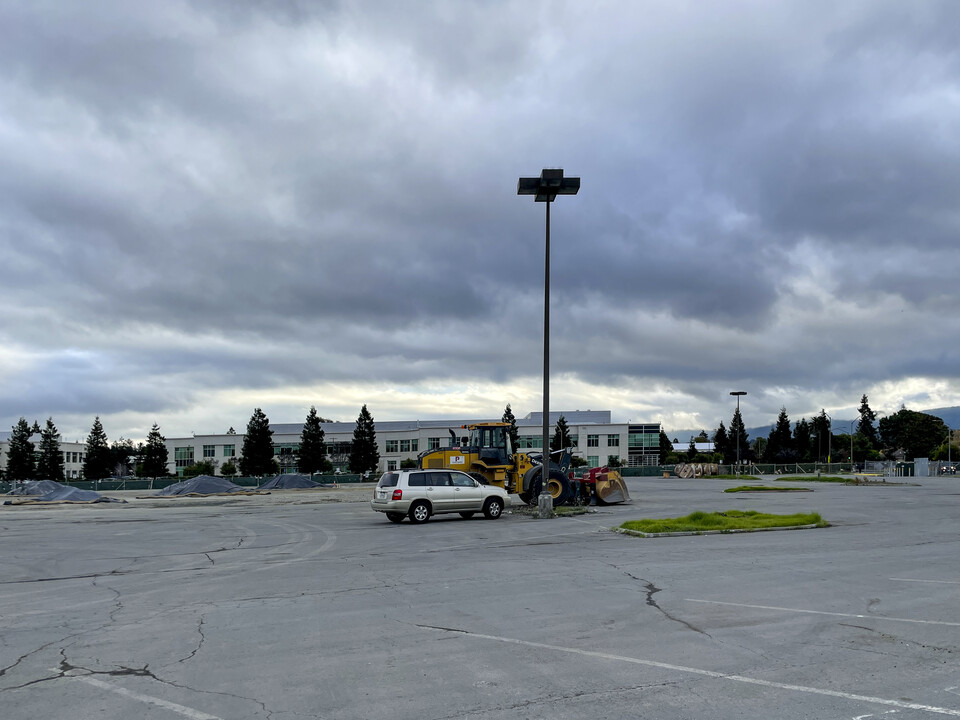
{"x": 611, "y": 488}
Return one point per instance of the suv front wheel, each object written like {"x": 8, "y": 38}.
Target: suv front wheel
{"x": 493, "y": 508}
{"x": 419, "y": 512}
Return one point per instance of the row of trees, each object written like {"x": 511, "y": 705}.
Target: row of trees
{"x": 101, "y": 459}
{"x": 905, "y": 433}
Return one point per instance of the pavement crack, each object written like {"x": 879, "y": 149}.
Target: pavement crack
{"x": 653, "y": 590}
{"x": 199, "y": 644}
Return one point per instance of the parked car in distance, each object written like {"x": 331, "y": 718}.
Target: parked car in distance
{"x": 420, "y": 494}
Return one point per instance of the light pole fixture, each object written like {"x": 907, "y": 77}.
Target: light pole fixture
{"x": 738, "y": 393}
{"x": 545, "y": 189}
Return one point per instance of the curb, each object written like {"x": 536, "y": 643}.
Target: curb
{"x": 637, "y": 533}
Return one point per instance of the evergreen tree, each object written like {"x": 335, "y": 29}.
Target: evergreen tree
{"x": 257, "y": 453}
{"x": 561, "y": 435}
{"x": 691, "y": 450}
{"x": 364, "y": 455}
{"x": 313, "y": 450}
{"x": 865, "y": 427}
{"x": 513, "y": 431}
{"x": 917, "y": 434}
{"x": 97, "y": 458}
{"x": 801, "y": 440}
{"x": 50, "y": 462}
{"x": 720, "y": 443}
{"x": 122, "y": 457}
{"x": 780, "y": 441}
{"x": 155, "y": 455}
{"x": 666, "y": 447}
{"x": 738, "y": 436}
{"x": 820, "y": 430}
{"x": 21, "y": 463}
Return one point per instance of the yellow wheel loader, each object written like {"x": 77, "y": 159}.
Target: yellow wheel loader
{"x": 489, "y": 457}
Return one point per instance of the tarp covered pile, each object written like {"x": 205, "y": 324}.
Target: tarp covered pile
{"x": 292, "y": 482}
{"x": 203, "y": 485}
{"x": 50, "y": 491}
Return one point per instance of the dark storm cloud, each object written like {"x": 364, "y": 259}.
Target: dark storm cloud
{"x": 255, "y": 195}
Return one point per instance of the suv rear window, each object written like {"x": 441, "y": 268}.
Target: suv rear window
{"x": 388, "y": 480}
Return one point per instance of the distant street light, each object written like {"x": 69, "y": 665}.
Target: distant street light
{"x": 545, "y": 189}
{"x": 738, "y": 393}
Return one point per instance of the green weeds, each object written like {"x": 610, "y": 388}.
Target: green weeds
{"x": 723, "y": 522}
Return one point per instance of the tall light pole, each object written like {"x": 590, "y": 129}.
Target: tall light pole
{"x": 738, "y": 393}
{"x": 545, "y": 189}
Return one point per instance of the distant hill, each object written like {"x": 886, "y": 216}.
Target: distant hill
{"x": 950, "y": 415}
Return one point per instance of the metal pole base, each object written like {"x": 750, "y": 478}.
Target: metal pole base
{"x": 545, "y": 505}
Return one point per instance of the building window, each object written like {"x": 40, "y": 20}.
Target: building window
{"x": 405, "y": 446}
{"x": 574, "y": 441}
{"x": 391, "y": 464}
{"x": 229, "y": 450}
{"x": 209, "y": 451}
{"x": 593, "y": 461}
{"x": 183, "y": 456}
{"x": 613, "y": 441}
{"x": 613, "y": 459}
{"x": 392, "y": 446}
{"x": 527, "y": 442}
{"x": 414, "y": 444}
{"x": 593, "y": 441}
{"x": 433, "y": 443}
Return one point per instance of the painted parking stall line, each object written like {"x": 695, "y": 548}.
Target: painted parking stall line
{"x": 824, "y": 612}
{"x": 901, "y": 704}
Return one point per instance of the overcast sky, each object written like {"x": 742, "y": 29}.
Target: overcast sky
{"x": 207, "y": 207}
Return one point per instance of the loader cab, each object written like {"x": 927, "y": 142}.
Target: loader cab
{"x": 492, "y": 443}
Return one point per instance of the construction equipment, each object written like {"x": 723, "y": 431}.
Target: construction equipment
{"x": 489, "y": 457}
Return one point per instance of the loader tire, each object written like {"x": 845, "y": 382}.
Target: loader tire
{"x": 559, "y": 488}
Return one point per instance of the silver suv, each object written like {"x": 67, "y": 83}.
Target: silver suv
{"x": 418, "y": 494}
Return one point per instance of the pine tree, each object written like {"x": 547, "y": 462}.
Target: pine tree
{"x": 691, "y": 450}
{"x": 801, "y": 440}
{"x": 20, "y": 453}
{"x": 821, "y": 435}
{"x": 720, "y": 443}
{"x": 313, "y": 450}
{"x": 155, "y": 455}
{"x": 561, "y": 435}
{"x": 97, "y": 458}
{"x": 666, "y": 447}
{"x": 738, "y": 438}
{"x": 513, "y": 431}
{"x": 50, "y": 462}
{"x": 257, "y": 453}
{"x": 364, "y": 455}
{"x": 865, "y": 427}
{"x": 780, "y": 441}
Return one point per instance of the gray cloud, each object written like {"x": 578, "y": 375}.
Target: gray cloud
{"x": 203, "y": 200}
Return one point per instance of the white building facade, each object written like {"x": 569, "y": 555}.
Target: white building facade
{"x": 596, "y": 440}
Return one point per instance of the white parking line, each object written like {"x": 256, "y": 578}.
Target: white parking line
{"x": 823, "y": 612}
{"x": 945, "y": 582}
{"x": 148, "y": 699}
{"x": 709, "y": 673}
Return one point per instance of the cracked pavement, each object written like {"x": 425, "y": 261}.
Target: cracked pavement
{"x": 273, "y": 608}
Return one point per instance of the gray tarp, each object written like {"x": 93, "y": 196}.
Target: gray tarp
{"x": 202, "y": 485}
{"x": 50, "y": 491}
{"x": 291, "y": 482}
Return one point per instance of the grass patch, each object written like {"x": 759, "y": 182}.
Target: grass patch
{"x": 764, "y": 488}
{"x": 723, "y": 521}
{"x": 815, "y": 478}
{"x": 732, "y": 477}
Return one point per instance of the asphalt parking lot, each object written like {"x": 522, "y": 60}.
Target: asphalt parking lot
{"x": 306, "y": 605}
